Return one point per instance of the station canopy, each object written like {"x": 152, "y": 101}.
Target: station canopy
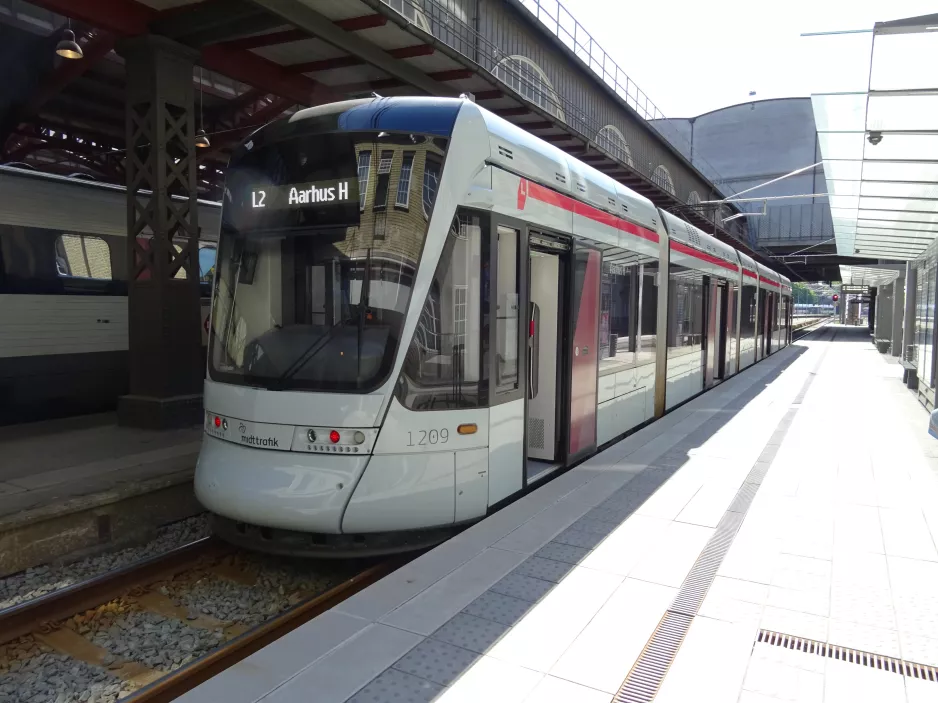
{"x": 868, "y": 275}
{"x": 879, "y": 145}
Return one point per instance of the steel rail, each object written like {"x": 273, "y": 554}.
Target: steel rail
{"x": 184, "y": 679}
{"x": 38, "y": 613}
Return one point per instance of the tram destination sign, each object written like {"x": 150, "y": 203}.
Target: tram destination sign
{"x": 315, "y": 194}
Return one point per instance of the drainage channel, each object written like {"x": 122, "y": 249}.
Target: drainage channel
{"x": 643, "y": 681}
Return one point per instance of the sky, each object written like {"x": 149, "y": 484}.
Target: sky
{"x": 694, "y": 57}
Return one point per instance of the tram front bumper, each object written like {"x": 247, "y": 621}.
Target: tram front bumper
{"x": 286, "y": 490}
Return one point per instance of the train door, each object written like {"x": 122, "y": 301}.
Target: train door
{"x": 546, "y": 363}
{"x": 716, "y": 339}
{"x": 768, "y": 323}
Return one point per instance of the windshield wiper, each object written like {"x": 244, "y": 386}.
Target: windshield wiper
{"x": 312, "y": 350}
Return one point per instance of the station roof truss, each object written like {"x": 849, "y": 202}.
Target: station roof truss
{"x": 880, "y": 147}
{"x": 261, "y": 59}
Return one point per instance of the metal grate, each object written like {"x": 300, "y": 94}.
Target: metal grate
{"x": 536, "y": 432}
{"x": 645, "y": 678}
{"x": 697, "y": 582}
{"x": 846, "y": 654}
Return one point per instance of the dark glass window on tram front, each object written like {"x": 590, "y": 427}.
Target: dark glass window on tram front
{"x": 628, "y": 311}
{"x": 446, "y": 363}
{"x": 313, "y": 282}
{"x": 685, "y": 311}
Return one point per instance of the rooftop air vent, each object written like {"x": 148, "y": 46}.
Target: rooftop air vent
{"x": 560, "y": 178}
{"x": 505, "y": 151}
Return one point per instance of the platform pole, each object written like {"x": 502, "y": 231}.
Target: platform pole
{"x": 908, "y": 318}
{"x": 165, "y": 359}
{"x": 898, "y": 305}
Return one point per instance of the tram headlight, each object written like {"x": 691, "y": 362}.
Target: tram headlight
{"x": 358, "y": 437}
{"x": 311, "y": 435}
{"x": 334, "y": 437}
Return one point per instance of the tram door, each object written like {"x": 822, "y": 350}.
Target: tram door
{"x": 716, "y": 340}
{"x": 544, "y": 336}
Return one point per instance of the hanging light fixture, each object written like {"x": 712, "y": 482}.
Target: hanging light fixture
{"x": 67, "y": 47}
{"x": 201, "y": 138}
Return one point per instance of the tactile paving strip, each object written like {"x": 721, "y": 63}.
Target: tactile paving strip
{"x": 644, "y": 680}
{"x": 845, "y": 654}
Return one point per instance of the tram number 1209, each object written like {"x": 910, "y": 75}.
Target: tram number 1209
{"x": 422, "y": 438}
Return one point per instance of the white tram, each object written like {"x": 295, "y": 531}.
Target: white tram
{"x": 421, "y": 311}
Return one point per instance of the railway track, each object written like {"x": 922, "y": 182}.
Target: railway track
{"x": 123, "y": 634}
{"x": 804, "y": 330}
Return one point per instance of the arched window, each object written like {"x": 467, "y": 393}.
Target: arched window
{"x": 613, "y": 141}
{"x": 662, "y": 176}
{"x": 693, "y": 198}
{"x": 527, "y": 78}
{"x": 412, "y": 10}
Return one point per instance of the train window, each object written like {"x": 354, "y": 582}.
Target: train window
{"x": 506, "y": 311}
{"x": 685, "y": 311}
{"x": 445, "y": 364}
{"x": 617, "y": 328}
{"x": 82, "y": 256}
{"x": 207, "y": 263}
{"x": 647, "y": 341}
{"x": 311, "y": 292}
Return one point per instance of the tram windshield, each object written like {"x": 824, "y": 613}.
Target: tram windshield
{"x": 320, "y": 240}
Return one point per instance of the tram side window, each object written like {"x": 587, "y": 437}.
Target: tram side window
{"x": 506, "y": 311}
{"x": 647, "y": 342}
{"x": 445, "y": 365}
{"x": 685, "y": 311}
{"x": 82, "y": 256}
{"x": 747, "y": 319}
{"x": 617, "y": 328}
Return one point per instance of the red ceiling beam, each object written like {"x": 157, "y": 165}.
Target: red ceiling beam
{"x": 537, "y": 125}
{"x": 98, "y": 46}
{"x": 129, "y": 18}
{"x": 556, "y": 137}
{"x": 121, "y": 17}
{"x": 255, "y": 70}
{"x": 489, "y": 95}
{"x": 406, "y": 52}
{"x": 282, "y": 37}
{"x": 352, "y": 24}
{"x": 512, "y": 112}
{"x": 357, "y": 24}
{"x": 386, "y": 83}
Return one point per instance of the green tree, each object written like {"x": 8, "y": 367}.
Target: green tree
{"x": 803, "y": 294}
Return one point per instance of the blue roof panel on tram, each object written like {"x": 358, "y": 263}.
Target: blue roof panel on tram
{"x": 404, "y": 114}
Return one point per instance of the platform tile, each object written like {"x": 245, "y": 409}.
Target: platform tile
{"x": 562, "y": 552}
{"x": 470, "y": 632}
{"x": 523, "y": 587}
{"x": 498, "y": 607}
{"x": 397, "y": 686}
{"x": 545, "y": 569}
{"x": 437, "y": 661}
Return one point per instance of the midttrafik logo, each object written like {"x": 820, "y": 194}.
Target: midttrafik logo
{"x": 256, "y": 441}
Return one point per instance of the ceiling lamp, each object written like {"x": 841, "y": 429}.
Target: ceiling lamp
{"x": 201, "y": 138}
{"x": 67, "y": 47}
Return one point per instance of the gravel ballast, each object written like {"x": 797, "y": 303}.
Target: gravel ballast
{"x": 40, "y": 580}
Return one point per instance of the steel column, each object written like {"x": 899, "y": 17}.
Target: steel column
{"x": 908, "y": 318}
{"x": 166, "y": 367}
{"x": 898, "y": 303}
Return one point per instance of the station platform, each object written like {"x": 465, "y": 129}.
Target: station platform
{"x": 773, "y": 539}
{"x": 84, "y": 482}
